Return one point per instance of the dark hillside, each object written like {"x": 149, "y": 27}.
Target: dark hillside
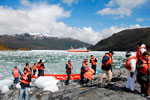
{"x": 40, "y": 43}
{"x": 124, "y": 40}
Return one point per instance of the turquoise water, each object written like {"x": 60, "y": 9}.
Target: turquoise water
{"x": 54, "y": 60}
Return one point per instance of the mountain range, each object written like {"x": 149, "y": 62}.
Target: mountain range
{"x": 125, "y": 40}
{"x": 28, "y": 41}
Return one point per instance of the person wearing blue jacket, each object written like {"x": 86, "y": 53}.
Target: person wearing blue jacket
{"x": 68, "y": 71}
{"x": 84, "y": 69}
{"x": 15, "y": 74}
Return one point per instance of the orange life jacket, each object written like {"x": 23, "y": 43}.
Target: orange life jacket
{"x": 108, "y": 61}
{"x": 34, "y": 67}
{"x": 89, "y": 74}
{"x": 70, "y": 66}
{"x": 145, "y": 67}
{"x": 139, "y": 54}
{"x": 93, "y": 61}
{"x": 86, "y": 68}
{"x": 38, "y": 65}
{"x": 24, "y": 78}
{"x": 16, "y": 72}
{"x": 28, "y": 68}
{"x": 128, "y": 66}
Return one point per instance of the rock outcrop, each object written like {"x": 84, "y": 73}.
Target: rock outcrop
{"x": 90, "y": 91}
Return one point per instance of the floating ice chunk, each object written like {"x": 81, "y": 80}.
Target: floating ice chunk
{"x": 51, "y": 88}
{"x": 48, "y": 83}
{"x": 18, "y": 86}
{"x": 7, "y": 82}
{"x": 4, "y": 89}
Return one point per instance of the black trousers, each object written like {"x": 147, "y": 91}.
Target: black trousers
{"x": 94, "y": 68}
{"x": 145, "y": 88}
{"x": 68, "y": 76}
{"x": 34, "y": 71}
{"x": 83, "y": 78}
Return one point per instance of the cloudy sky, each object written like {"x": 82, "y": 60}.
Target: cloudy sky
{"x": 87, "y": 20}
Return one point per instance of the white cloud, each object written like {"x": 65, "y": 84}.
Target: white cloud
{"x": 120, "y": 7}
{"x": 105, "y": 33}
{"x": 139, "y": 20}
{"x": 42, "y": 19}
{"x": 25, "y": 3}
{"x": 69, "y": 2}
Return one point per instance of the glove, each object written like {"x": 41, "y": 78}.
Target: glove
{"x": 131, "y": 74}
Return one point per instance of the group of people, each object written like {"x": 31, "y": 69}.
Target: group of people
{"x": 26, "y": 77}
{"x": 138, "y": 68}
{"x": 86, "y": 73}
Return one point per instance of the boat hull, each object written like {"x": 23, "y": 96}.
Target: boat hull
{"x": 64, "y": 76}
{"x": 78, "y": 50}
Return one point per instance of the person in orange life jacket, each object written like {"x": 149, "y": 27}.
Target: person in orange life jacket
{"x": 93, "y": 61}
{"x": 144, "y": 73}
{"x": 39, "y": 67}
{"x": 42, "y": 70}
{"x": 27, "y": 66}
{"x": 68, "y": 71}
{"x": 139, "y": 53}
{"x": 106, "y": 67}
{"x": 131, "y": 67}
{"x": 141, "y": 49}
{"x": 34, "y": 68}
{"x": 84, "y": 69}
{"x": 25, "y": 83}
{"x": 15, "y": 74}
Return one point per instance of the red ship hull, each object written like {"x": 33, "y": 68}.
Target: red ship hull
{"x": 78, "y": 50}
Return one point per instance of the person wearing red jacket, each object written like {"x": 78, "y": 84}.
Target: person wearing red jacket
{"x": 131, "y": 67}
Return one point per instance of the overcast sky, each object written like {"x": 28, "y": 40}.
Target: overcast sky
{"x": 87, "y": 20}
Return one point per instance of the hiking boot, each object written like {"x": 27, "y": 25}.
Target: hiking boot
{"x": 110, "y": 84}
{"x": 127, "y": 90}
{"x": 132, "y": 91}
{"x": 142, "y": 95}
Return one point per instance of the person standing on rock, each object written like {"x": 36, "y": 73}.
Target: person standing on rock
{"x": 41, "y": 68}
{"x": 93, "y": 62}
{"x": 144, "y": 73}
{"x": 139, "y": 54}
{"x": 106, "y": 67}
{"x": 34, "y": 68}
{"x": 84, "y": 69}
{"x": 15, "y": 74}
{"x": 141, "y": 49}
{"x": 68, "y": 71}
{"x": 25, "y": 83}
{"x": 131, "y": 67}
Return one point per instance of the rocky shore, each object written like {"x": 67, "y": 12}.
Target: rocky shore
{"x": 90, "y": 91}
